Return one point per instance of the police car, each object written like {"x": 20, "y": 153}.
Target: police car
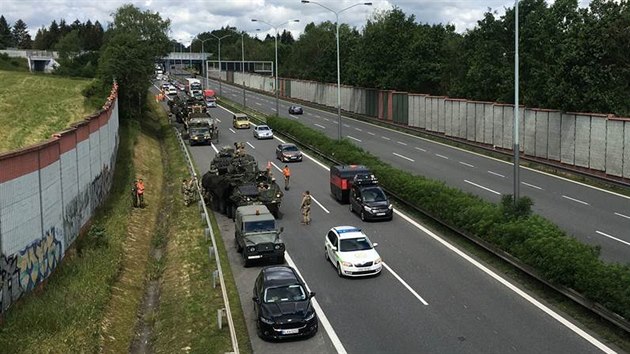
{"x": 352, "y": 252}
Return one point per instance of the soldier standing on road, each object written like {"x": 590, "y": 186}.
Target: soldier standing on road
{"x": 287, "y": 175}
{"x": 306, "y": 208}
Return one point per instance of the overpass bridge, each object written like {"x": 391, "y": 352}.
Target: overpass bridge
{"x": 38, "y": 60}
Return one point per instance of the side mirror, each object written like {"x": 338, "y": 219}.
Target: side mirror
{"x": 281, "y": 229}
{"x": 375, "y": 244}
{"x": 334, "y": 248}
{"x": 311, "y": 294}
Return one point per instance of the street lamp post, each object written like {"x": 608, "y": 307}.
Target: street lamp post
{"x": 516, "y": 109}
{"x": 276, "y": 71}
{"x": 219, "y": 39}
{"x": 338, "y": 62}
{"x": 242, "y": 33}
{"x": 204, "y": 72}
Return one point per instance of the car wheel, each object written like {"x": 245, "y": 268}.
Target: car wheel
{"x": 362, "y": 215}
{"x": 239, "y": 249}
{"x": 339, "y": 273}
{"x": 326, "y": 254}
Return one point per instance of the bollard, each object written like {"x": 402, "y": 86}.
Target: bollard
{"x": 220, "y": 314}
{"x": 215, "y": 276}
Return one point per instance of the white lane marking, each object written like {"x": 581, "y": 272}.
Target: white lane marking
{"x": 404, "y": 283}
{"x": 575, "y": 200}
{"x": 442, "y": 156}
{"x": 326, "y": 119}
{"x": 258, "y": 103}
{"x": 252, "y": 146}
{"x": 353, "y": 138}
{"x": 531, "y": 185}
{"x": 358, "y": 129}
{"x": 496, "y": 174}
{"x": 276, "y": 166}
{"x": 321, "y": 126}
{"x": 510, "y": 286}
{"x": 232, "y": 130}
{"x": 320, "y": 204}
{"x": 466, "y": 164}
{"x": 482, "y": 187}
{"x": 403, "y": 157}
{"x": 623, "y": 216}
{"x": 346, "y": 125}
{"x": 612, "y": 237}
{"x": 323, "y": 320}
{"x": 371, "y": 133}
{"x": 318, "y": 116}
{"x": 218, "y": 120}
{"x": 292, "y": 116}
{"x": 386, "y": 138}
{"x": 216, "y": 151}
{"x": 401, "y": 143}
{"x": 421, "y": 149}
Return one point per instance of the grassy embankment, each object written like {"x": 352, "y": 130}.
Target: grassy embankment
{"x": 92, "y": 301}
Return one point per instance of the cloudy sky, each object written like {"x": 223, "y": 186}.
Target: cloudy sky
{"x": 190, "y": 17}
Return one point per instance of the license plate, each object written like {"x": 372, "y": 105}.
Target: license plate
{"x": 380, "y": 214}
{"x": 290, "y": 331}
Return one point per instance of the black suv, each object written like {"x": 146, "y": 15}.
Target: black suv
{"x": 283, "y": 304}
{"x": 368, "y": 199}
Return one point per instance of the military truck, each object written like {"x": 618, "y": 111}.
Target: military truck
{"x": 256, "y": 235}
{"x": 235, "y": 180}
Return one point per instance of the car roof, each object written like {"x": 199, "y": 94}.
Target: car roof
{"x": 287, "y": 145}
{"x": 345, "y": 232}
{"x": 279, "y": 275}
{"x": 262, "y": 126}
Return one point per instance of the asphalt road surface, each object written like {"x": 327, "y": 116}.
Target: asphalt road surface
{"x": 592, "y": 215}
{"x": 430, "y": 298}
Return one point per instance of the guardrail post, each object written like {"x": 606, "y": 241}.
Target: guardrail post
{"x": 203, "y": 216}
{"x": 206, "y": 233}
{"x": 210, "y": 252}
{"x": 220, "y": 314}
{"x": 215, "y": 276}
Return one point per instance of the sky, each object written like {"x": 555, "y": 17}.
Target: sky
{"x": 191, "y": 17}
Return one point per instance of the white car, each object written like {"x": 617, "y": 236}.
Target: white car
{"x": 172, "y": 91}
{"x": 352, "y": 252}
{"x": 263, "y": 132}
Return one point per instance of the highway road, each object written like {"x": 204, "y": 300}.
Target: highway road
{"x": 592, "y": 215}
{"x": 432, "y": 297}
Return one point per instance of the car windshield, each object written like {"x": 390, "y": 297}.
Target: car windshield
{"x": 199, "y": 131}
{"x": 290, "y": 148}
{"x": 261, "y": 238}
{"x": 354, "y": 244}
{"x": 285, "y": 293}
{"x": 258, "y": 226}
{"x": 374, "y": 195}
{"x": 264, "y": 127}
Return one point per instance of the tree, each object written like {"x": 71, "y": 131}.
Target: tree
{"x": 21, "y": 37}
{"x": 136, "y": 41}
{"x": 6, "y": 38}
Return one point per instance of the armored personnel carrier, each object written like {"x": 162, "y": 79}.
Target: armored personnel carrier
{"x": 235, "y": 180}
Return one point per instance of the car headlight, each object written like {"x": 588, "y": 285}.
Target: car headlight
{"x": 278, "y": 247}
{"x": 367, "y": 208}
{"x": 346, "y": 264}
{"x": 310, "y": 317}
{"x": 390, "y": 207}
{"x": 278, "y": 195}
{"x": 267, "y": 321}
{"x": 252, "y": 249}
{"x": 378, "y": 260}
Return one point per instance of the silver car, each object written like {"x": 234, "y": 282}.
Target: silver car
{"x": 263, "y": 132}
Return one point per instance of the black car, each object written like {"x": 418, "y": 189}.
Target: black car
{"x": 288, "y": 152}
{"x": 368, "y": 199}
{"x": 295, "y": 110}
{"x": 283, "y": 304}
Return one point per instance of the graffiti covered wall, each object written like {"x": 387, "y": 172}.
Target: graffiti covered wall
{"x": 48, "y": 192}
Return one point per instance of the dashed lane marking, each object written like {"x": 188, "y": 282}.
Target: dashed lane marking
{"x": 482, "y": 187}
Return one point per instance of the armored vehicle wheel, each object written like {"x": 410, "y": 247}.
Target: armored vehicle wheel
{"x": 239, "y": 249}
{"x": 281, "y": 259}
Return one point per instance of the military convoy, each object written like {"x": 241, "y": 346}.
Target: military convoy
{"x": 234, "y": 180}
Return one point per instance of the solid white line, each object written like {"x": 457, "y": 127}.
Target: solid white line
{"x": 320, "y": 204}
{"x": 353, "y": 138}
{"x": 510, "y": 286}
{"x": 403, "y": 157}
{"x": 531, "y": 185}
{"x": 252, "y": 146}
{"x": 216, "y": 151}
{"x": 371, "y": 133}
{"x": 346, "y": 125}
{"x": 496, "y": 174}
{"x": 404, "y": 283}
{"x": 575, "y": 200}
{"x": 466, "y": 164}
{"x": 358, "y": 129}
{"x": 323, "y": 320}
{"x": 442, "y": 156}
{"x": 386, "y": 138}
{"x": 232, "y": 130}
{"x": 623, "y": 216}
{"x": 614, "y": 238}
{"x": 421, "y": 149}
{"x": 321, "y": 126}
{"x": 401, "y": 143}
{"x": 482, "y": 187}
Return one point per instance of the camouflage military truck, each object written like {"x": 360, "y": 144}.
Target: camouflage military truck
{"x": 235, "y": 180}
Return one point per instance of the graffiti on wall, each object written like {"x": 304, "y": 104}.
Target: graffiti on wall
{"x": 81, "y": 206}
{"x": 22, "y": 271}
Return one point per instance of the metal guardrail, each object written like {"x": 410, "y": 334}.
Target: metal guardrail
{"x": 569, "y": 293}
{"x": 226, "y": 301}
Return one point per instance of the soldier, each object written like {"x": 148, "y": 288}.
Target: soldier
{"x": 185, "y": 191}
{"x": 306, "y": 208}
{"x": 134, "y": 198}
